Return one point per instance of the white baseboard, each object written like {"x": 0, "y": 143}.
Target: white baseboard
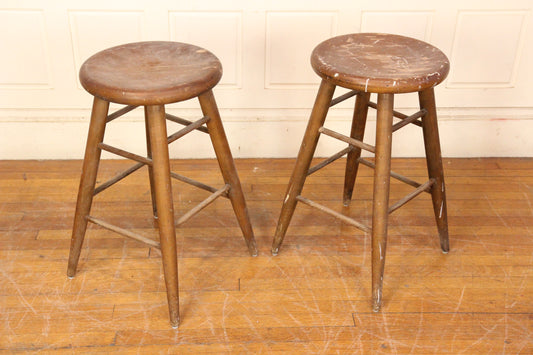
{"x": 464, "y": 132}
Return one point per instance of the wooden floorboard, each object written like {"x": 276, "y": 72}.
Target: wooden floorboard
{"x": 314, "y": 297}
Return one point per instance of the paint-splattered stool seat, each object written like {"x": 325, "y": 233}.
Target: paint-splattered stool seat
{"x": 151, "y": 75}
{"x": 386, "y": 65}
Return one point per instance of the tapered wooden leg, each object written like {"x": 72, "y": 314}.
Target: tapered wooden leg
{"x": 357, "y": 132}
{"x": 150, "y": 168}
{"x": 163, "y": 197}
{"x": 87, "y": 181}
{"x": 227, "y": 167}
{"x": 380, "y": 211}
{"x": 434, "y": 164}
{"x": 303, "y": 161}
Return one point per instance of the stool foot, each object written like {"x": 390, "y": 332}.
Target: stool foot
{"x": 357, "y": 132}
{"x": 434, "y": 165}
{"x": 377, "y": 303}
{"x": 163, "y": 198}
{"x": 87, "y": 181}
{"x": 380, "y": 208}
{"x": 303, "y": 161}
{"x": 444, "y": 244}
{"x": 227, "y": 167}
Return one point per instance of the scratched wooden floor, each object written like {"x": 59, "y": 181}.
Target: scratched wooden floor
{"x": 312, "y": 298}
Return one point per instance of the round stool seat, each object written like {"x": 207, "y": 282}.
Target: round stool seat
{"x": 150, "y": 73}
{"x": 380, "y": 63}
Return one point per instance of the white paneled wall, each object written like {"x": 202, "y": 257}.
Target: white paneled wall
{"x": 268, "y": 87}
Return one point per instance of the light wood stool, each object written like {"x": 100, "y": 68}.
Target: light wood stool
{"x": 387, "y": 65}
{"x": 152, "y": 74}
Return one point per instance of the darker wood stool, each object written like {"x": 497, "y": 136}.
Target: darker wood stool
{"x": 387, "y": 65}
{"x": 152, "y": 74}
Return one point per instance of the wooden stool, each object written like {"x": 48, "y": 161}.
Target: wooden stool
{"x": 384, "y": 64}
{"x": 152, "y": 74}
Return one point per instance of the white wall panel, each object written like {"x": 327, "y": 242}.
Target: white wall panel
{"x": 416, "y": 24}
{"x": 268, "y": 87}
{"x": 487, "y": 49}
{"x": 220, "y": 32}
{"x": 290, "y": 39}
{"x": 24, "y": 55}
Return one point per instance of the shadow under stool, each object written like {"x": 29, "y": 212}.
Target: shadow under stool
{"x": 384, "y": 64}
{"x": 151, "y": 75}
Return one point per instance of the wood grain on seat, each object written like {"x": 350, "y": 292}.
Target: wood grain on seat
{"x": 150, "y": 73}
{"x": 380, "y": 63}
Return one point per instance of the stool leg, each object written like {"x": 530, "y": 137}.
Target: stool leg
{"x": 227, "y": 167}
{"x": 380, "y": 211}
{"x": 357, "y": 132}
{"x": 434, "y": 164}
{"x": 87, "y": 181}
{"x": 157, "y": 131}
{"x": 150, "y": 168}
{"x": 303, "y": 161}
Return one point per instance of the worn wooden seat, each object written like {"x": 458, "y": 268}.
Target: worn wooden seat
{"x": 387, "y": 65}
{"x": 380, "y": 63}
{"x": 152, "y": 74}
